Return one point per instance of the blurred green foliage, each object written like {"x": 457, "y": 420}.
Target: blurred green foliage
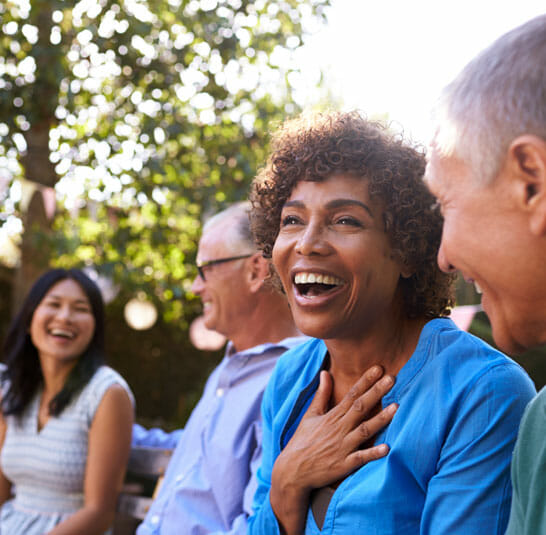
{"x": 146, "y": 115}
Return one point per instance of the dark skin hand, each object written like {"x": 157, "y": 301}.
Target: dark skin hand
{"x": 326, "y": 446}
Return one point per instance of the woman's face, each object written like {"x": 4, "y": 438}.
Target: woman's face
{"x": 63, "y": 324}
{"x": 334, "y": 259}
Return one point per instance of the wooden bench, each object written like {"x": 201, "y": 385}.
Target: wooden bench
{"x": 144, "y": 476}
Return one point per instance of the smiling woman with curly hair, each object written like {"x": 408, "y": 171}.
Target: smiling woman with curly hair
{"x": 312, "y": 148}
{"x": 353, "y": 234}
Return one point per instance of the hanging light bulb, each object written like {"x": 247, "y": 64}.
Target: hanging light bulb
{"x": 203, "y": 338}
{"x": 140, "y": 314}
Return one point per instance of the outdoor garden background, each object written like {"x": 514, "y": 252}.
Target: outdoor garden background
{"x": 122, "y": 125}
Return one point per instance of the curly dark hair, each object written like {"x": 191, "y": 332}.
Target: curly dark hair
{"x": 315, "y": 147}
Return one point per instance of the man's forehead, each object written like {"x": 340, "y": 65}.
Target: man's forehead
{"x": 210, "y": 246}
{"x": 215, "y": 241}
{"x": 431, "y": 177}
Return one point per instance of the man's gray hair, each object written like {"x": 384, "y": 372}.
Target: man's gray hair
{"x": 239, "y": 235}
{"x": 499, "y": 95}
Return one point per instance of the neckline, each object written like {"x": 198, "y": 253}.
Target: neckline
{"x": 36, "y": 412}
{"x": 410, "y": 369}
{"x": 417, "y": 360}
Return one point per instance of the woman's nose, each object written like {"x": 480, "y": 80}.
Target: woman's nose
{"x": 64, "y": 312}
{"x": 312, "y": 241}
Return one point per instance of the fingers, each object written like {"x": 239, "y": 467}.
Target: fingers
{"x": 365, "y": 431}
{"x": 369, "y": 428}
{"x": 361, "y": 406}
{"x": 368, "y": 378}
{"x": 364, "y": 396}
{"x": 359, "y": 458}
{"x": 321, "y": 400}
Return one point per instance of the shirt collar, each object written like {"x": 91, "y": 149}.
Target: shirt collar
{"x": 287, "y": 343}
{"x": 411, "y": 368}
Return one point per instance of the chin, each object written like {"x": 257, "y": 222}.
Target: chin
{"x": 506, "y": 339}
{"x": 208, "y": 319}
{"x": 209, "y": 324}
{"x": 316, "y": 329}
{"x": 517, "y": 332}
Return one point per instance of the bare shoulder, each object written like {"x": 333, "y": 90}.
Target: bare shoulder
{"x": 116, "y": 393}
{"x": 116, "y": 405}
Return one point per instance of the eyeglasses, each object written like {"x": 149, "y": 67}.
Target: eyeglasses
{"x": 201, "y": 267}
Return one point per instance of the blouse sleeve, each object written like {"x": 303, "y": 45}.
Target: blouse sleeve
{"x": 103, "y": 379}
{"x": 472, "y": 480}
{"x": 263, "y": 520}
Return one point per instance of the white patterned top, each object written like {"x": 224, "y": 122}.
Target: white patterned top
{"x": 47, "y": 466}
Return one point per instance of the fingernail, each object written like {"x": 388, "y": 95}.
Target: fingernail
{"x": 387, "y": 381}
{"x": 375, "y": 371}
{"x": 392, "y": 408}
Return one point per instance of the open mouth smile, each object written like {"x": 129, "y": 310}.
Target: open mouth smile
{"x": 310, "y": 284}
{"x": 62, "y": 333}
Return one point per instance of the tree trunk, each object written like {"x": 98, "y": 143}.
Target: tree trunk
{"x": 35, "y": 253}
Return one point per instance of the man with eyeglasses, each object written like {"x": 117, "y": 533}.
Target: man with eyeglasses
{"x": 210, "y": 482}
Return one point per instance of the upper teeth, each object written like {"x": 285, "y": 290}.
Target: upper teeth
{"x": 62, "y": 332}
{"x": 478, "y": 287}
{"x": 310, "y": 278}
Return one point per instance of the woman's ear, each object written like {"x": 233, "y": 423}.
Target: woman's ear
{"x": 258, "y": 271}
{"x": 526, "y": 161}
{"x": 406, "y": 271}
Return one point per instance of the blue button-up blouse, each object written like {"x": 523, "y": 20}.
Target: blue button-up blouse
{"x": 451, "y": 440}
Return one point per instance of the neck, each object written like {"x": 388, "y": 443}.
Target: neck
{"x": 270, "y": 321}
{"x": 55, "y": 374}
{"x": 390, "y": 348}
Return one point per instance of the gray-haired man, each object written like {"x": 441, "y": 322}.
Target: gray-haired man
{"x": 210, "y": 482}
{"x": 487, "y": 167}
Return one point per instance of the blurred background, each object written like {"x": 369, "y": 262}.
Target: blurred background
{"x": 123, "y": 124}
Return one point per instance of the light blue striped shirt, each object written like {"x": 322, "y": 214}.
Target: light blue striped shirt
{"x": 210, "y": 482}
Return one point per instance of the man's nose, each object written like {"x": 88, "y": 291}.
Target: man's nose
{"x": 443, "y": 261}
{"x": 197, "y": 285}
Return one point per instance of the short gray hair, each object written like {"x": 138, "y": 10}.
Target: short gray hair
{"x": 241, "y": 240}
{"x": 499, "y": 95}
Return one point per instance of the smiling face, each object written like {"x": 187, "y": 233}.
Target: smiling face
{"x": 334, "y": 259}
{"x": 224, "y": 293}
{"x": 486, "y": 237}
{"x": 63, "y": 324}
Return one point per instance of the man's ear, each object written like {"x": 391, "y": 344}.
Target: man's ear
{"x": 527, "y": 161}
{"x": 258, "y": 271}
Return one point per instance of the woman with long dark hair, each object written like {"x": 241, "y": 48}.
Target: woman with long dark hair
{"x": 65, "y": 420}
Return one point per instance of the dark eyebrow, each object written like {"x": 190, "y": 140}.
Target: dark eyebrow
{"x": 336, "y": 203}
{"x": 77, "y": 301}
